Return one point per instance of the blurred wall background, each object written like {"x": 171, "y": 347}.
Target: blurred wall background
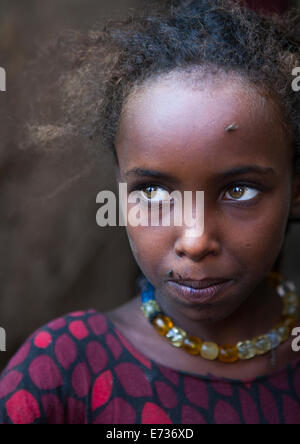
{"x": 54, "y": 259}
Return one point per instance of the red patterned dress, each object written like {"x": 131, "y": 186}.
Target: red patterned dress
{"x": 79, "y": 369}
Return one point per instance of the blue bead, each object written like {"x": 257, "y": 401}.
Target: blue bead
{"x": 147, "y": 291}
{"x": 147, "y": 297}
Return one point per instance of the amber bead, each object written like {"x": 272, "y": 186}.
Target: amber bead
{"x": 162, "y": 324}
{"x": 210, "y": 351}
{"x": 228, "y": 354}
{"x": 192, "y": 345}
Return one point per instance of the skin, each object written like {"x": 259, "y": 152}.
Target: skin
{"x": 176, "y": 128}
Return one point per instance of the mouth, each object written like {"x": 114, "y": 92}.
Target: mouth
{"x": 204, "y": 291}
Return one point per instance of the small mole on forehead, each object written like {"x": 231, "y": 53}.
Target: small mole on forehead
{"x": 231, "y": 127}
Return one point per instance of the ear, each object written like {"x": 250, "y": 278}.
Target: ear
{"x": 295, "y": 204}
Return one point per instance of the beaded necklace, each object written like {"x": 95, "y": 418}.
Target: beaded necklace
{"x": 243, "y": 350}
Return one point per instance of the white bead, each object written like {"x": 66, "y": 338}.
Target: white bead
{"x": 285, "y": 287}
{"x": 274, "y": 338}
{"x": 290, "y": 285}
{"x": 281, "y": 290}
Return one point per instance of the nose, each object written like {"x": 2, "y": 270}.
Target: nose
{"x": 198, "y": 242}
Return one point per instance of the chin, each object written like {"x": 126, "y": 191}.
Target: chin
{"x": 209, "y": 313}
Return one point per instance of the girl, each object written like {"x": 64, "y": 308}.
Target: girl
{"x": 197, "y": 97}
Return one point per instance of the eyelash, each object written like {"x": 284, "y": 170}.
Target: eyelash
{"x": 247, "y": 202}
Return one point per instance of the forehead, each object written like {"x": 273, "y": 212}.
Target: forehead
{"x": 174, "y": 123}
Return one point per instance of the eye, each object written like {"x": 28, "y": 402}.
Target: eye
{"x": 154, "y": 194}
{"x": 242, "y": 193}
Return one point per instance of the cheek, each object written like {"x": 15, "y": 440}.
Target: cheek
{"x": 257, "y": 240}
{"x": 149, "y": 245}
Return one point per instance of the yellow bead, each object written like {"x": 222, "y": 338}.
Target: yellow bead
{"x": 290, "y": 311}
{"x": 228, "y": 354}
{"x": 162, "y": 324}
{"x": 262, "y": 345}
{"x": 176, "y": 336}
{"x": 210, "y": 351}
{"x": 288, "y": 321}
{"x": 150, "y": 308}
{"x": 246, "y": 350}
{"x": 291, "y": 299}
{"x": 192, "y": 345}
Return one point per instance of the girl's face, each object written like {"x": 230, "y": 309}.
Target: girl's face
{"x": 178, "y": 133}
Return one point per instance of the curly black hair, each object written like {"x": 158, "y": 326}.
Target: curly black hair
{"x": 216, "y": 34}
{"x": 102, "y": 67}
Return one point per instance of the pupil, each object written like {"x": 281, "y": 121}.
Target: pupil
{"x": 237, "y": 192}
{"x": 149, "y": 192}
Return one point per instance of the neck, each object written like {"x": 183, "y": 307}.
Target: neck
{"x": 255, "y": 316}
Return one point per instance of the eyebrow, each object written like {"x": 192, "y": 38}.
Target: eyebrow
{"x": 245, "y": 169}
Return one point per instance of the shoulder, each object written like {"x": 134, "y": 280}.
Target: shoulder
{"x": 62, "y": 336}
{"x": 54, "y": 363}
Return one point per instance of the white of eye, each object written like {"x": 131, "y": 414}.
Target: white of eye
{"x": 250, "y": 193}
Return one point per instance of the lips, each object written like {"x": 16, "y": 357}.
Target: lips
{"x": 201, "y": 284}
{"x": 204, "y": 293}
